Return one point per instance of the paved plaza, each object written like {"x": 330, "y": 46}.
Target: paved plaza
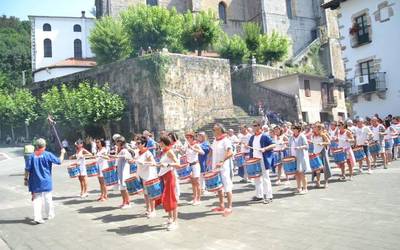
{"x": 359, "y": 214}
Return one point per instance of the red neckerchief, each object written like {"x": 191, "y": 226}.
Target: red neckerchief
{"x": 39, "y": 151}
{"x": 257, "y": 133}
{"x": 315, "y": 134}
{"x": 193, "y": 143}
{"x": 165, "y": 150}
{"x": 218, "y": 138}
{"x": 143, "y": 151}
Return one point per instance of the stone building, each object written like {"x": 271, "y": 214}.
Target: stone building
{"x": 369, "y": 40}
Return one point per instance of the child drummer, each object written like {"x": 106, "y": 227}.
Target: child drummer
{"x": 80, "y": 156}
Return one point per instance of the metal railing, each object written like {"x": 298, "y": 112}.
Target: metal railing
{"x": 376, "y": 83}
{"x": 330, "y": 103}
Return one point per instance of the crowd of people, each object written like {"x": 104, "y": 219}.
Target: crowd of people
{"x": 253, "y": 153}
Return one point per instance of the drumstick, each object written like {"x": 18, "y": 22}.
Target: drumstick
{"x": 254, "y": 148}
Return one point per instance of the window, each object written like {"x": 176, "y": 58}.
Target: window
{"x": 307, "y": 89}
{"x": 152, "y": 2}
{"x": 289, "y": 9}
{"x": 77, "y": 28}
{"x": 366, "y": 71}
{"x": 77, "y": 48}
{"x": 362, "y": 33}
{"x": 46, "y": 27}
{"x": 47, "y": 48}
{"x": 304, "y": 116}
{"x": 222, "y": 11}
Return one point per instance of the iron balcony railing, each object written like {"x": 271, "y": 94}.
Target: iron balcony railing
{"x": 363, "y": 84}
{"x": 329, "y": 103}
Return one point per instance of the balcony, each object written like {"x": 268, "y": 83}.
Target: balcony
{"x": 367, "y": 84}
{"x": 329, "y": 103}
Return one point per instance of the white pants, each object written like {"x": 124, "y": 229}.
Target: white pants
{"x": 263, "y": 183}
{"x": 43, "y": 204}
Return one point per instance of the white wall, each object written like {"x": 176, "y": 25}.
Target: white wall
{"x": 44, "y": 74}
{"x": 384, "y": 45}
{"x": 62, "y": 37}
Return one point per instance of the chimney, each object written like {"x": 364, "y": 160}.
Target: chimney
{"x": 83, "y": 13}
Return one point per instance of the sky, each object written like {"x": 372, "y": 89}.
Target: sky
{"x": 23, "y": 8}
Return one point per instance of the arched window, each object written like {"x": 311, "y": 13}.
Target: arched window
{"x": 46, "y": 27}
{"x": 152, "y": 2}
{"x": 47, "y": 48}
{"x": 77, "y": 48}
{"x": 77, "y": 28}
{"x": 222, "y": 11}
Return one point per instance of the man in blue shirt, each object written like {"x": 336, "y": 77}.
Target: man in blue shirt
{"x": 151, "y": 143}
{"x": 205, "y": 146}
{"x": 38, "y": 177}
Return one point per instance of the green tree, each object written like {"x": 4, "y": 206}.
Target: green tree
{"x": 233, "y": 48}
{"x": 273, "y": 48}
{"x": 154, "y": 27}
{"x": 83, "y": 106}
{"x": 200, "y": 30}
{"x": 15, "y": 49}
{"x": 109, "y": 41}
{"x": 252, "y": 34}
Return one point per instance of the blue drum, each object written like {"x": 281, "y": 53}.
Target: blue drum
{"x": 134, "y": 185}
{"x": 112, "y": 163}
{"x": 73, "y": 170}
{"x": 239, "y": 159}
{"x": 277, "y": 157}
{"x": 315, "y": 162}
{"x": 339, "y": 155}
{"x": 110, "y": 176}
{"x": 289, "y": 165}
{"x": 310, "y": 148}
{"x": 396, "y": 141}
{"x": 183, "y": 160}
{"x": 184, "y": 171}
{"x": 213, "y": 181}
{"x": 92, "y": 169}
{"x": 359, "y": 153}
{"x": 133, "y": 168}
{"x": 253, "y": 167}
{"x": 333, "y": 145}
{"x": 388, "y": 145}
{"x": 374, "y": 148}
{"x": 153, "y": 188}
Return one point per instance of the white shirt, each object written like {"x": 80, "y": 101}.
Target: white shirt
{"x": 342, "y": 140}
{"x": 376, "y": 130}
{"x": 101, "y": 162}
{"x": 389, "y": 133}
{"x": 279, "y": 142}
{"x": 219, "y": 148}
{"x": 244, "y": 139}
{"x": 145, "y": 171}
{"x": 362, "y": 135}
{"x": 332, "y": 133}
{"x": 191, "y": 155}
{"x": 164, "y": 161}
{"x": 257, "y": 144}
{"x": 316, "y": 140}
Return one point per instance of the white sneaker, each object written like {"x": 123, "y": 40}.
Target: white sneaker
{"x": 50, "y": 217}
{"x": 196, "y": 203}
{"x": 278, "y": 182}
{"x": 191, "y": 202}
{"x": 172, "y": 226}
{"x": 169, "y": 221}
{"x": 369, "y": 171}
{"x": 125, "y": 206}
{"x": 151, "y": 215}
{"x": 84, "y": 195}
{"x": 360, "y": 171}
{"x": 38, "y": 222}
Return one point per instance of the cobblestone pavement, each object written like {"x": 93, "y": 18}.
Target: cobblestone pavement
{"x": 359, "y": 214}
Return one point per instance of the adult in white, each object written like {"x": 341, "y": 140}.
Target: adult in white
{"x": 101, "y": 158}
{"x": 362, "y": 135}
{"x": 345, "y": 140}
{"x": 378, "y": 131}
{"x": 192, "y": 149}
{"x": 123, "y": 157}
{"x": 244, "y": 138}
{"x": 222, "y": 161}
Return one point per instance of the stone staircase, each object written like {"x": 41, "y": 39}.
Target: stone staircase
{"x": 241, "y": 117}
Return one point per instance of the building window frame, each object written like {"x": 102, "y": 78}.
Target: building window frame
{"x": 289, "y": 9}
{"x": 152, "y": 2}
{"x": 222, "y": 11}
{"x": 46, "y": 27}
{"x": 77, "y": 28}
{"x": 367, "y": 69}
{"x": 307, "y": 88}
{"x": 47, "y": 48}
{"x": 77, "y": 48}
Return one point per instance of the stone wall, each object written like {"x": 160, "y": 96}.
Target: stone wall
{"x": 163, "y": 91}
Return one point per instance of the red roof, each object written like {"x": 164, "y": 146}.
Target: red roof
{"x": 70, "y": 63}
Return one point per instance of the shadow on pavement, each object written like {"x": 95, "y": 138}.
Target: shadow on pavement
{"x": 60, "y": 198}
{"x": 129, "y": 230}
{"x": 12, "y": 175}
{"x": 76, "y": 202}
{"x": 92, "y": 209}
{"x": 195, "y": 215}
{"x": 27, "y": 221}
{"x": 123, "y": 217}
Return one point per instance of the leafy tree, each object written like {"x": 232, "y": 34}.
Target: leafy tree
{"x": 252, "y": 34}
{"x": 83, "y": 106}
{"x": 109, "y": 41}
{"x": 15, "y": 49}
{"x": 233, "y": 48}
{"x": 272, "y": 48}
{"x": 154, "y": 27}
{"x": 200, "y": 30}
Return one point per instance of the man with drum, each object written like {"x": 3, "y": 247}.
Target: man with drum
{"x": 38, "y": 178}
{"x": 363, "y": 134}
{"x": 222, "y": 161}
{"x": 244, "y": 138}
{"x": 261, "y": 147}
{"x": 378, "y": 131}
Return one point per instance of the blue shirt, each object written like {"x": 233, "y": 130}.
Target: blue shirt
{"x": 203, "y": 158}
{"x": 265, "y": 141}
{"x": 39, "y": 168}
{"x": 151, "y": 143}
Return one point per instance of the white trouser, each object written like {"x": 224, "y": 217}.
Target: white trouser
{"x": 43, "y": 201}
{"x": 263, "y": 183}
